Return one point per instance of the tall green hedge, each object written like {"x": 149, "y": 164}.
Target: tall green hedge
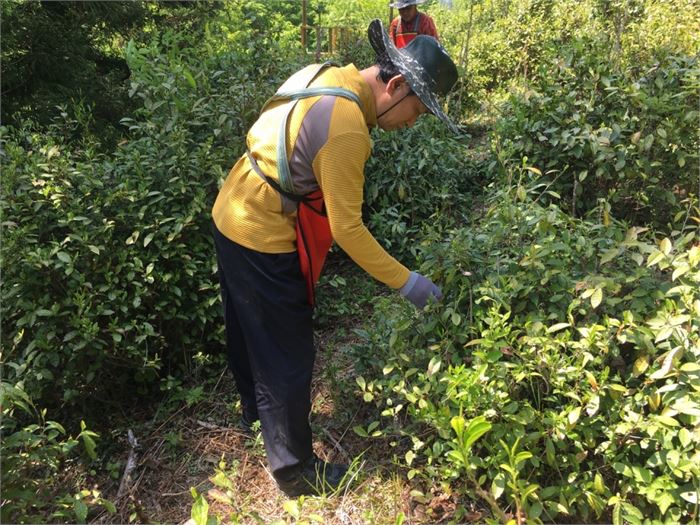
{"x": 107, "y": 259}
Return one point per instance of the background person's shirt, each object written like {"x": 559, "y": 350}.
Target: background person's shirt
{"x": 426, "y": 26}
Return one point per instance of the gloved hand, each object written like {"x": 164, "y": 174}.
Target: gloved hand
{"x": 418, "y": 289}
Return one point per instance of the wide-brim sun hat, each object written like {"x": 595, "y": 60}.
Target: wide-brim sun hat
{"x": 400, "y": 4}
{"x": 424, "y": 63}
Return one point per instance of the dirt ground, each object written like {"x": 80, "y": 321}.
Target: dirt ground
{"x": 200, "y": 447}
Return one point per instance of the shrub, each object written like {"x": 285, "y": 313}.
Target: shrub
{"x": 568, "y": 348}
{"x": 416, "y": 176}
{"x": 37, "y": 459}
{"x": 56, "y": 51}
{"x": 498, "y": 44}
{"x": 108, "y": 266}
{"x": 631, "y": 139}
{"x": 108, "y": 260}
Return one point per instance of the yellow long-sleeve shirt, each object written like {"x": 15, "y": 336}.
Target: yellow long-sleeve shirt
{"x": 328, "y": 144}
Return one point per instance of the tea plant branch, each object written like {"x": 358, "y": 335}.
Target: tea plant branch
{"x": 210, "y": 426}
{"x": 690, "y": 207}
{"x": 466, "y": 436}
{"x": 218, "y": 381}
{"x": 349, "y": 424}
{"x": 488, "y": 498}
{"x": 547, "y": 187}
{"x": 172, "y": 416}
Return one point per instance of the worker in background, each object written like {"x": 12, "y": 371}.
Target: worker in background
{"x": 410, "y": 23}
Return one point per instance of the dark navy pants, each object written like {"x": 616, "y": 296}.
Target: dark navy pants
{"x": 269, "y": 337}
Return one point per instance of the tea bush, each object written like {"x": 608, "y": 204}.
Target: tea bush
{"x": 56, "y": 51}
{"x": 33, "y": 458}
{"x": 642, "y": 32}
{"x": 419, "y": 176}
{"x": 498, "y": 44}
{"x": 108, "y": 265}
{"x": 560, "y": 372}
{"x": 558, "y": 378}
{"x": 629, "y": 137}
{"x": 108, "y": 262}
{"x": 109, "y": 278}
{"x": 502, "y": 44}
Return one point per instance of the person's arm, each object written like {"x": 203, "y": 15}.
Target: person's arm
{"x": 339, "y": 168}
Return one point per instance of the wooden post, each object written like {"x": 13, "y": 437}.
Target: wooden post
{"x": 464, "y": 55}
{"x": 333, "y": 38}
{"x": 318, "y": 33}
{"x": 303, "y": 24}
{"x": 318, "y": 43}
{"x": 464, "y": 58}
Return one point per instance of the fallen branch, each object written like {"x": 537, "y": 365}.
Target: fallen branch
{"x": 337, "y": 445}
{"x": 130, "y": 465}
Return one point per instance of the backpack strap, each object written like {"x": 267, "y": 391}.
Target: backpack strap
{"x": 416, "y": 24}
{"x": 294, "y": 197}
{"x": 293, "y": 96}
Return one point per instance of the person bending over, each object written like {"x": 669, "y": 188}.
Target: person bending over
{"x": 298, "y": 188}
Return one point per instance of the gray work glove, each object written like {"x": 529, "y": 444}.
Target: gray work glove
{"x": 419, "y": 289}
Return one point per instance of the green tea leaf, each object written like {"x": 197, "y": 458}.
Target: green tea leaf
{"x": 410, "y": 456}
{"x": 81, "y": 510}
{"x": 574, "y": 415}
{"x": 457, "y": 423}
{"x": 477, "y": 428}
{"x": 200, "y": 510}
{"x": 190, "y": 79}
{"x": 434, "y": 366}
{"x": 557, "y": 327}
{"x": 498, "y": 485}
{"x": 666, "y": 246}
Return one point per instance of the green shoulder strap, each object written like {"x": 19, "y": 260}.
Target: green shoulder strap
{"x": 294, "y": 95}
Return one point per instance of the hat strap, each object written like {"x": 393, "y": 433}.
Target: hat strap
{"x": 394, "y": 104}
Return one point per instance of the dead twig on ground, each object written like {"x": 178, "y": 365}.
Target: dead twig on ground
{"x": 337, "y": 445}
{"x": 130, "y": 465}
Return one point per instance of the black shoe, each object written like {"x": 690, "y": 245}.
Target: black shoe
{"x": 314, "y": 478}
{"x": 246, "y": 422}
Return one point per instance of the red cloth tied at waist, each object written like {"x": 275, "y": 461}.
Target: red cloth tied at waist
{"x": 313, "y": 230}
{"x": 314, "y": 239}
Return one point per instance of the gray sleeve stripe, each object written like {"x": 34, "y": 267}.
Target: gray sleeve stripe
{"x": 312, "y": 136}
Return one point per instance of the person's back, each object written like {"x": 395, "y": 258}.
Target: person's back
{"x": 410, "y": 23}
